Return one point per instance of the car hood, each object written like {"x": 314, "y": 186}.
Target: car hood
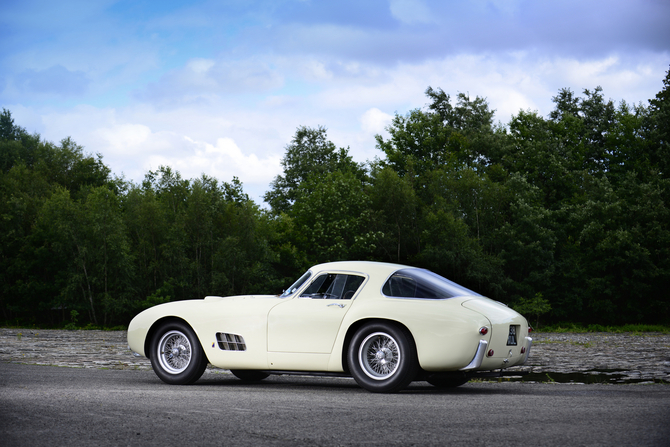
{"x": 237, "y": 297}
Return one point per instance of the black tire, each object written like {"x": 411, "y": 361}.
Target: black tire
{"x": 176, "y": 355}
{"x": 249, "y": 376}
{"x": 443, "y": 382}
{"x": 382, "y": 358}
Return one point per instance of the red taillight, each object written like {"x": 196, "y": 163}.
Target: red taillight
{"x": 523, "y": 350}
{"x": 490, "y": 353}
{"x": 483, "y": 330}
{"x": 530, "y": 329}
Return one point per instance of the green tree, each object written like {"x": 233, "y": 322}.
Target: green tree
{"x": 396, "y": 215}
{"x": 536, "y": 306}
{"x": 88, "y": 240}
{"x": 332, "y": 218}
{"x": 627, "y": 148}
{"x": 22, "y": 193}
{"x": 8, "y": 130}
{"x": 466, "y": 116}
{"x": 548, "y": 154}
{"x": 65, "y": 164}
{"x": 658, "y": 128}
{"x": 622, "y": 239}
{"x": 418, "y": 143}
{"x": 147, "y": 226}
{"x": 310, "y": 153}
{"x": 525, "y": 242}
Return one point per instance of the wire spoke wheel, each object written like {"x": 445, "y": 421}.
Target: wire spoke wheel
{"x": 379, "y": 356}
{"x": 382, "y": 357}
{"x": 177, "y": 357}
{"x": 174, "y": 352}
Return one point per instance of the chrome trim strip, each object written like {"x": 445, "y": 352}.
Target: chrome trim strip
{"x": 423, "y": 299}
{"x": 479, "y": 356}
{"x": 530, "y": 343}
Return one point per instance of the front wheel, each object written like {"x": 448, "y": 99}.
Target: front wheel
{"x": 176, "y": 355}
{"x": 382, "y": 358}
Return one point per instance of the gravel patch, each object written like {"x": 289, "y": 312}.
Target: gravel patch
{"x": 78, "y": 349}
{"x": 601, "y": 357}
{"x": 579, "y": 358}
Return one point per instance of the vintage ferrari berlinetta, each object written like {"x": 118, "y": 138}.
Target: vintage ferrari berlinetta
{"x": 385, "y": 325}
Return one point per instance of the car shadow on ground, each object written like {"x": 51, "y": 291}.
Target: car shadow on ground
{"x": 319, "y": 383}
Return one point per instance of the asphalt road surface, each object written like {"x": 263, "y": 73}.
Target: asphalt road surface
{"x": 55, "y": 406}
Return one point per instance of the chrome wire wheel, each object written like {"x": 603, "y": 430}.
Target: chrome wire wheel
{"x": 379, "y": 356}
{"x": 177, "y": 357}
{"x": 174, "y": 352}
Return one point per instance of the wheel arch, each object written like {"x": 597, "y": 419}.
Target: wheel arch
{"x": 354, "y": 327}
{"x": 157, "y": 324}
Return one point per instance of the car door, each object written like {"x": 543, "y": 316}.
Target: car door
{"x": 310, "y": 322}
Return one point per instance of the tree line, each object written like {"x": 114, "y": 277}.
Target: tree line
{"x": 564, "y": 215}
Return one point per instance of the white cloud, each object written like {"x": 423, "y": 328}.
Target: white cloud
{"x": 223, "y": 160}
{"x": 130, "y": 86}
{"x": 200, "y": 65}
{"x": 234, "y": 136}
{"x": 205, "y": 80}
{"x": 56, "y": 80}
{"x": 507, "y": 7}
{"x": 314, "y": 70}
{"x": 374, "y": 121}
{"x": 139, "y": 138}
{"x": 411, "y": 11}
{"x": 139, "y": 150}
{"x": 123, "y": 139}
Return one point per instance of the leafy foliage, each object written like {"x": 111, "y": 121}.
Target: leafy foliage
{"x": 564, "y": 217}
{"x": 535, "y": 306}
{"x": 309, "y": 154}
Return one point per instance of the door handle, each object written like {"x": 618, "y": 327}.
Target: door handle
{"x": 336, "y": 304}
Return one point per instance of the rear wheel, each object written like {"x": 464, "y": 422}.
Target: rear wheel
{"x": 176, "y": 355}
{"x": 249, "y": 376}
{"x": 382, "y": 358}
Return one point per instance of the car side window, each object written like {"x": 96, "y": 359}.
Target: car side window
{"x": 400, "y": 286}
{"x": 333, "y": 286}
{"x": 424, "y": 284}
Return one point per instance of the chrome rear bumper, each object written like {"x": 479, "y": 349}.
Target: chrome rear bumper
{"x": 529, "y": 340}
{"x": 479, "y": 356}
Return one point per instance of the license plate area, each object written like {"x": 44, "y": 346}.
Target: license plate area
{"x": 512, "y": 337}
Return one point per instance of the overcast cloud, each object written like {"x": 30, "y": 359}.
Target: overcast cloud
{"x": 219, "y": 87}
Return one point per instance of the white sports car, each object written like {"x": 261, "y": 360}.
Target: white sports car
{"x": 385, "y": 325}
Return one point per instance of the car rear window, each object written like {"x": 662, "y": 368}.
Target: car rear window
{"x": 420, "y": 283}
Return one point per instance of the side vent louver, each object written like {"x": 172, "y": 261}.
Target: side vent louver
{"x": 230, "y": 342}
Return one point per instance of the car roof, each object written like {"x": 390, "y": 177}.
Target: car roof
{"x": 367, "y": 267}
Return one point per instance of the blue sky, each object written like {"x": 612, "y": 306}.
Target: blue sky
{"x": 219, "y": 87}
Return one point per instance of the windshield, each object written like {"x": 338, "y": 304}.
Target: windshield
{"x": 419, "y": 283}
{"x": 296, "y": 285}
